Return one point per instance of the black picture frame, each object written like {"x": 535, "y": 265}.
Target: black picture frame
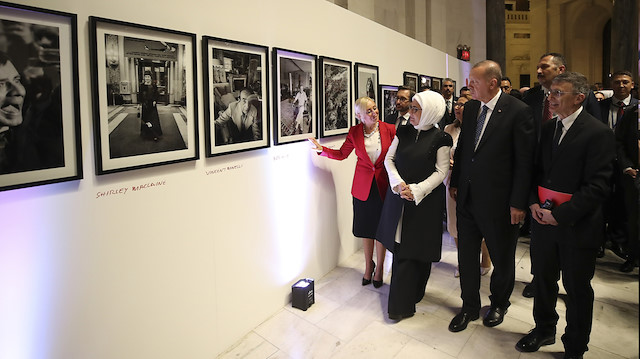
{"x": 436, "y": 83}
{"x": 410, "y": 80}
{"x": 294, "y": 70}
{"x": 334, "y": 81}
{"x": 424, "y": 83}
{"x": 41, "y": 139}
{"x": 234, "y": 72}
{"x": 455, "y": 88}
{"x": 139, "y": 124}
{"x": 388, "y": 94}
{"x": 367, "y": 79}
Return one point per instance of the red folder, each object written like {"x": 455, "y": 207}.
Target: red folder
{"x": 556, "y": 197}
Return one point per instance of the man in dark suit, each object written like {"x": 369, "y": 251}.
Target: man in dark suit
{"x": 403, "y": 102}
{"x": 549, "y": 66}
{"x": 628, "y": 146}
{"x": 490, "y": 181}
{"x": 612, "y": 110}
{"x": 447, "y": 93}
{"x": 573, "y": 163}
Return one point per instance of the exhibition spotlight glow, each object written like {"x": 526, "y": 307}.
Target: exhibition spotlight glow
{"x": 27, "y": 276}
{"x": 289, "y": 200}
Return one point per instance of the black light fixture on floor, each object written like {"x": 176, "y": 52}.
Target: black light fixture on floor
{"x": 302, "y": 294}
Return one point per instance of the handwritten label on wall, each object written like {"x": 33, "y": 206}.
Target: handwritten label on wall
{"x": 220, "y": 170}
{"x": 124, "y": 190}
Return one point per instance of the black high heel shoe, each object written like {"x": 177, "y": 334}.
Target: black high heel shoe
{"x": 368, "y": 281}
{"x": 376, "y": 283}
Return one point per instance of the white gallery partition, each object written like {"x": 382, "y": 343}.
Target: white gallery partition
{"x": 186, "y": 267}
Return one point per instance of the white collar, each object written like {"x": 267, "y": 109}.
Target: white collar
{"x": 492, "y": 103}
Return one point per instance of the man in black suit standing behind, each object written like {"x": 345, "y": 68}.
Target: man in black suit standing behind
{"x": 448, "y": 93}
{"x": 573, "y": 164}
{"x": 400, "y": 116}
{"x": 490, "y": 180}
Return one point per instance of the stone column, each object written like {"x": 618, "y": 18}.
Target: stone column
{"x": 496, "y": 31}
{"x": 624, "y": 36}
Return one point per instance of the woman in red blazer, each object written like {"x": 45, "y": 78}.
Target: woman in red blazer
{"x": 371, "y": 139}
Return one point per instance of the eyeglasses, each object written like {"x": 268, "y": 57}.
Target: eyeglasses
{"x": 458, "y": 105}
{"x": 558, "y": 93}
{"x": 402, "y": 99}
{"x": 415, "y": 109}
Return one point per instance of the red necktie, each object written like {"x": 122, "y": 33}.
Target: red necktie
{"x": 620, "y": 112}
{"x": 546, "y": 113}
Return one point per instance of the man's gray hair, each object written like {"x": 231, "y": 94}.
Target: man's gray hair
{"x": 576, "y": 79}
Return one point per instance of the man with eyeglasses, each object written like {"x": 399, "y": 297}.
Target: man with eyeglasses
{"x": 549, "y": 66}
{"x": 403, "y": 102}
{"x": 571, "y": 177}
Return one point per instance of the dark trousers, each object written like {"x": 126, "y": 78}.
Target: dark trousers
{"x": 552, "y": 255}
{"x": 501, "y": 236}
{"x": 409, "y": 279}
{"x": 629, "y": 188}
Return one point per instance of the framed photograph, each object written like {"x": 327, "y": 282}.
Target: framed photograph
{"x": 366, "y": 79}
{"x": 388, "y": 95}
{"x": 155, "y": 122}
{"x": 410, "y": 80}
{"x": 425, "y": 83}
{"x": 455, "y": 88}
{"x": 335, "y": 96}
{"x": 436, "y": 83}
{"x": 294, "y": 91}
{"x": 236, "y": 96}
{"x": 39, "y": 99}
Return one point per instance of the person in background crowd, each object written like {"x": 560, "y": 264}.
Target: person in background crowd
{"x": 403, "y": 102}
{"x": 574, "y": 162}
{"x": 449, "y": 99}
{"x": 612, "y": 110}
{"x": 411, "y": 222}
{"x": 599, "y": 95}
{"x": 505, "y": 85}
{"x": 490, "y": 182}
{"x": 465, "y": 92}
{"x": 453, "y": 129}
{"x": 371, "y": 139}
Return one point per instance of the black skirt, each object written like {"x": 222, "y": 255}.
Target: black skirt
{"x": 366, "y": 214}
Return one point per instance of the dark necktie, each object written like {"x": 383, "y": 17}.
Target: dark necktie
{"x": 556, "y": 136}
{"x": 546, "y": 112}
{"x": 620, "y": 113}
{"x": 480, "y": 123}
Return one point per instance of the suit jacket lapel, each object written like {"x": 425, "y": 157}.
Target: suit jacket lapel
{"x": 496, "y": 116}
{"x": 570, "y": 136}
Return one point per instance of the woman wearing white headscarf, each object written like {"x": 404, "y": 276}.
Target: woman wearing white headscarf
{"x": 411, "y": 221}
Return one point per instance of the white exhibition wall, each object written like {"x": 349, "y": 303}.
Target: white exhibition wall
{"x": 185, "y": 269}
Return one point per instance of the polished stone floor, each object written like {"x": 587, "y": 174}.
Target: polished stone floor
{"x": 349, "y": 321}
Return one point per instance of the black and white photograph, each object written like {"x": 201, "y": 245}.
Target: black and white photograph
{"x": 425, "y": 83}
{"x": 410, "y": 80}
{"x": 388, "y": 94}
{"x": 436, "y": 83}
{"x": 39, "y": 107}
{"x": 455, "y": 88}
{"x": 335, "y": 92}
{"x": 295, "y": 96}
{"x": 236, "y": 95}
{"x": 366, "y": 78}
{"x": 144, "y": 95}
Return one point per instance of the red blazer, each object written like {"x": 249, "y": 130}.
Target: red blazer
{"x": 365, "y": 170}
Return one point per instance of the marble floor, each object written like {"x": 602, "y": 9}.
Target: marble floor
{"x": 349, "y": 320}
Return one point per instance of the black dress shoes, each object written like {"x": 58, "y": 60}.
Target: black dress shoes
{"x": 399, "y": 317}
{"x": 494, "y": 316}
{"x": 629, "y": 265}
{"x": 460, "y": 321}
{"x": 533, "y": 341}
{"x": 529, "y": 290}
{"x": 600, "y": 252}
{"x": 617, "y": 249}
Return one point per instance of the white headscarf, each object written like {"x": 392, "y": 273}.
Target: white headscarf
{"x": 433, "y": 108}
